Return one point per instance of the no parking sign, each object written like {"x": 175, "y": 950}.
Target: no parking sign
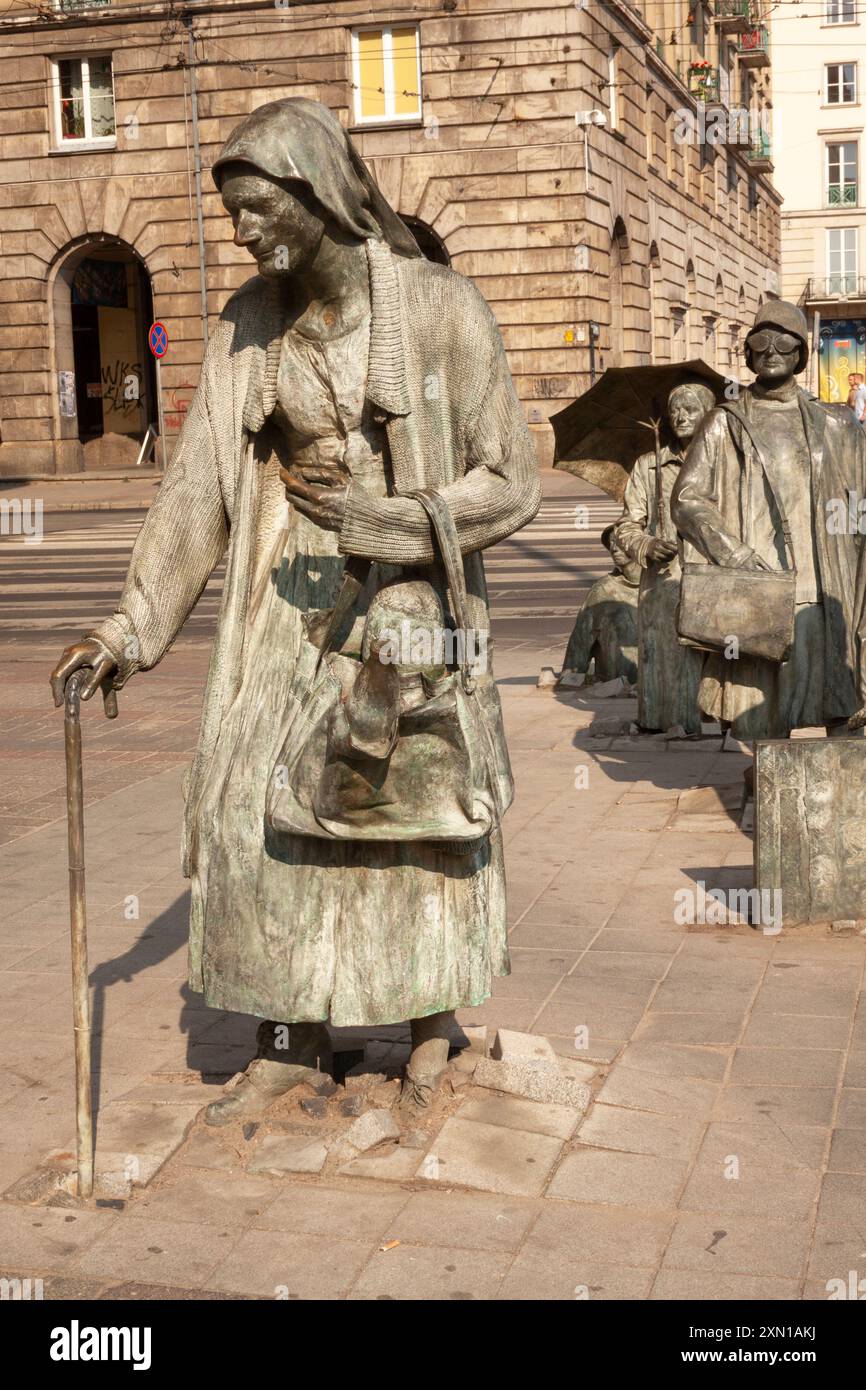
{"x": 157, "y": 339}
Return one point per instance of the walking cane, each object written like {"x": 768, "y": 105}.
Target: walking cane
{"x": 78, "y": 921}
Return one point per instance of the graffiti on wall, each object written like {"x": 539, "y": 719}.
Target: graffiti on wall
{"x": 121, "y": 386}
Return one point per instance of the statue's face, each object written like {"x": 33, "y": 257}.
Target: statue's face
{"x": 281, "y": 227}
{"x": 685, "y": 413}
{"x": 774, "y": 354}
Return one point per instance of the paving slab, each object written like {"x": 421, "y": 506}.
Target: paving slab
{"x": 762, "y": 1143}
{"x": 288, "y": 1153}
{"x": 559, "y": 1275}
{"x": 163, "y": 1252}
{"x": 432, "y": 1274}
{"x": 622, "y": 1179}
{"x": 588, "y": 1234}
{"x": 473, "y": 1220}
{"x": 747, "y": 1189}
{"x": 491, "y": 1158}
{"x": 737, "y": 1245}
{"x": 47, "y": 1239}
{"x": 687, "y": 1285}
{"x": 641, "y": 1132}
{"x": 665, "y": 1095}
{"x": 289, "y": 1265}
{"x": 366, "y": 1215}
{"x": 530, "y": 1115}
{"x": 398, "y": 1164}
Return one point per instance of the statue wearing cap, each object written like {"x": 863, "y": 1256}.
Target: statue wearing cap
{"x": 761, "y": 479}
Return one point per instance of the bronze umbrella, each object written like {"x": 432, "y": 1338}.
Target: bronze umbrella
{"x": 602, "y": 433}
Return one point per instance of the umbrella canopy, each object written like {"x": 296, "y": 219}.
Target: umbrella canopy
{"x": 601, "y": 434}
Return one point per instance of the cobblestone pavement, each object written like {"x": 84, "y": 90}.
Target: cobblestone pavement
{"x": 723, "y": 1154}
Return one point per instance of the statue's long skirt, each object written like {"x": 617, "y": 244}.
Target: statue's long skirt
{"x": 765, "y": 699}
{"x": 294, "y": 929}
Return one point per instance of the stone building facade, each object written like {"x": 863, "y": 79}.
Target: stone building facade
{"x": 821, "y": 69}
{"x": 557, "y": 154}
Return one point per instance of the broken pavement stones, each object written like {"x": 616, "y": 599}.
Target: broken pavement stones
{"x": 523, "y": 1047}
{"x": 490, "y": 1157}
{"x": 374, "y": 1128}
{"x": 607, "y": 690}
{"x": 533, "y": 1081}
{"x": 316, "y": 1106}
{"x": 288, "y": 1153}
{"x": 571, "y": 680}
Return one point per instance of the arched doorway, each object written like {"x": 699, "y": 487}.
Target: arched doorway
{"x": 431, "y": 244}
{"x": 103, "y": 307}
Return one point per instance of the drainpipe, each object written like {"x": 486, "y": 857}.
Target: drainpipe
{"x": 191, "y": 63}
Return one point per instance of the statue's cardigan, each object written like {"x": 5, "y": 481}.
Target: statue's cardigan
{"x": 438, "y": 373}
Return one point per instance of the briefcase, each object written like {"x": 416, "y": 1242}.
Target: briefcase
{"x": 755, "y": 607}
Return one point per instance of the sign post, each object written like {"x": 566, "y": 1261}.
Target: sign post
{"x": 157, "y": 340}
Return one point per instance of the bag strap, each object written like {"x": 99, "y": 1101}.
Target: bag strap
{"x": 746, "y": 426}
{"x": 355, "y": 572}
{"x": 448, "y": 540}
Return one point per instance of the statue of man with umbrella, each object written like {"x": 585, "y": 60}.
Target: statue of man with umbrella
{"x": 603, "y": 437}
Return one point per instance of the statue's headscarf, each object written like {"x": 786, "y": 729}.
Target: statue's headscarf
{"x": 301, "y": 139}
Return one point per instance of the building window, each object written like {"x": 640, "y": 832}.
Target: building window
{"x": 83, "y": 100}
{"x": 386, "y": 73}
{"x": 841, "y": 12}
{"x": 612, "y": 81}
{"x": 841, "y": 84}
{"x": 841, "y": 187}
{"x": 842, "y": 260}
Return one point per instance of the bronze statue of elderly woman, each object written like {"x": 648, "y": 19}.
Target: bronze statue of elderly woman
{"x": 354, "y": 443}
{"x": 668, "y": 673}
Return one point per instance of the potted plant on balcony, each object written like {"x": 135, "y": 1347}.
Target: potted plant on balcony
{"x": 702, "y": 79}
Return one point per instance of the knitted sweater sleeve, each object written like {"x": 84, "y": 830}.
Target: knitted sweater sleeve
{"x": 177, "y": 549}
{"x": 632, "y": 529}
{"x": 499, "y": 492}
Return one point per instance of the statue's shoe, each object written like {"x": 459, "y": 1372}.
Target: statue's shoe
{"x": 417, "y": 1091}
{"x": 263, "y": 1082}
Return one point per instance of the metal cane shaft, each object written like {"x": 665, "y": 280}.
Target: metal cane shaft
{"x": 78, "y": 928}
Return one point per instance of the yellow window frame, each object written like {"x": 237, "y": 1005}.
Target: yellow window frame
{"x": 390, "y": 104}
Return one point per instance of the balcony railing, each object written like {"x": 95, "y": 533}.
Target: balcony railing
{"x": 82, "y": 4}
{"x": 842, "y": 286}
{"x": 753, "y": 48}
{"x": 760, "y": 156}
{"x": 732, "y": 15}
{"x": 704, "y": 84}
{"x": 842, "y": 195}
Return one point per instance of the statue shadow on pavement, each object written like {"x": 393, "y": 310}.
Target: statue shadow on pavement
{"x": 161, "y": 939}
